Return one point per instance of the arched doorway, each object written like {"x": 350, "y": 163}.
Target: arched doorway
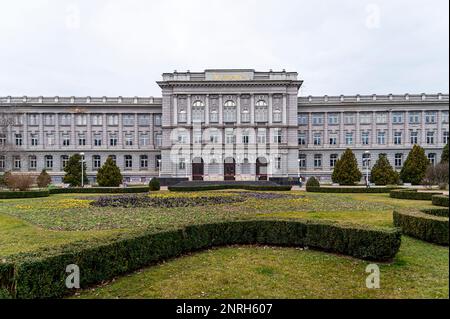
{"x": 261, "y": 169}
{"x": 198, "y": 169}
{"x": 229, "y": 169}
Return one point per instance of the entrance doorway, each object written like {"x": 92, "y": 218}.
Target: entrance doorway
{"x": 198, "y": 169}
{"x": 261, "y": 169}
{"x": 229, "y": 169}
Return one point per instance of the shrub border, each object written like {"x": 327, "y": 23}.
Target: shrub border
{"x": 275, "y": 188}
{"x": 23, "y": 194}
{"x": 440, "y": 200}
{"x": 428, "y": 225}
{"x": 42, "y": 274}
{"x": 412, "y": 194}
{"x": 343, "y": 190}
{"x": 100, "y": 190}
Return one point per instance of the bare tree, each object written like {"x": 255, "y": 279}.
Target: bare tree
{"x": 8, "y": 118}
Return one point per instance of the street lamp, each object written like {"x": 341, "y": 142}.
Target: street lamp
{"x": 367, "y": 160}
{"x": 82, "y": 169}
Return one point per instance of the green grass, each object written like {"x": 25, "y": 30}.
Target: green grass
{"x": 419, "y": 271}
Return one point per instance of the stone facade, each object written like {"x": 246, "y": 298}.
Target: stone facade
{"x": 220, "y": 124}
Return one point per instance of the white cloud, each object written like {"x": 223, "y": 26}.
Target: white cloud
{"x": 62, "y": 47}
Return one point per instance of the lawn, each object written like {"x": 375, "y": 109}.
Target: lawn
{"x": 420, "y": 270}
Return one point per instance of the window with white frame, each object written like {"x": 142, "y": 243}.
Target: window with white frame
{"x": 81, "y": 119}
{"x": 365, "y": 138}
{"x": 333, "y": 160}
{"x": 97, "y": 119}
{"x": 317, "y": 160}
{"x": 214, "y": 115}
{"x": 96, "y": 162}
{"x": 49, "y": 119}
{"x": 381, "y": 138}
{"x": 302, "y": 138}
{"x": 18, "y": 138}
{"x": 158, "y": 139}
{"x": 65, "y": 119}
{"x": 349, "y": 118}
{"x": 302, "y": 161}
{"x": 245, "y": 115}
{"x": 261, "y": 136}
{"x": 230, "y": 138}
{"x": 365, "y": 118}
{"x": 128, "y": 161}
{"x": 445, "y": 117}
{"x": 197, "y": 137}
{"x": 432, "y": 158}
{"x": 302, "y": 118}
{"x": 32, "y": 162}
{"x": 317, "y": 138}
{"x": 333, "y": 139}
{"x": 430, "y": 117}
{"x": 33, "y": 119}
{"x": 81, "y": 139}
{"x": 317, "y": 118}
{"x": 157, "y": 118}
{"x": 414, "y": 137}
{"x": 97, "y": 139}
{"x": 277, "y": 114}
{"x": 349, "y": 138}
{"x": 2, "y": 140}
{"x": 143, "y": 161}
{"x": 398, "y": 160}
{"x": 366, "y": 160}
{"x": 261, "y": 111}
{"x": 64, "y": 161}
{"x": 144, "y": 139}
{"x": 50, "y": 139}
{"x": 113, "y": 140}
{"x": 430, "y": 137}
{"x": 278, "y": 162}
{"x": 245, "y": 137}
{"x": 398, "y": 138}
{"x": 333, "y": 118}
{"x": 48, "y": 162}
{"x": 414, "y": 117}
{"x": 198, "y": 112}
{"x": 65, "y": 137}
{"x": 17, "y": 163}
{"x": 397, "y": 117}
{"x": 34, "y": 139}
{"x": 182, "y": 164}
{"x": 113, "y": 119}
{"x": 229, "y": 112}
{"x": 128, "y": 119}
{"x": 445, "y": 137}
{"x": 277, "y": 136}
{"x": 144, "y": 119}
{"x": 2, "y": 163}
{"x": 182, "y": 114}
{"x": 182, "y": 138}
{"x": 381, "y": 117}
{"x": 129, "y": 139}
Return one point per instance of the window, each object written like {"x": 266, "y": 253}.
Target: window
{"x": 81, "y": 139}
{"x": 333, "y": 160}
{"x": 445, "y": 117}
{"x": 333, "y": 139}
{"x": 278, "y": 136}
{"x": 97, "y": 139}
{"x": 198, "y": 112}
{"x": 2, "y": 140}
{"x": 333, "y": 118}
{"x": 302, "y": 161}
{"x": 430, "y": 117}
{"x": 349, "y": 118}
{"x": 245, "y": 137}
{"x": 398, "y": 138}
{"x": 129, "y": 139}
{"x": 197, "y": 137}
{"x": 49, "y": 119}
{"x": 96, "y": 119}
{"x": 158, "y": 139}
{"x": 317, "y": 160}
{"x": 365, "y": 118}
{"x": 278, "y": 162}
{"x": 128, "y": 162}
{"x": 158, "y": 119}
{"x": 17, "y": 163}
{"x": 34, "y": 139}
{"x": 430, "y": 137}
{"x": 317, "y": 119}
{"x": 445, "y": 137}
{"x": 33, "y": 119}
{"x": 182, "y": 117}
{"x": 143, "y": 161}
{"x": 48, "y": 162}
{"x": 65, "y": 119}
{"x": 277, "y": 114}
{"x": 366, "y": 160}
{"x": 349, "y": 138}
{"x": 112, "y": 139}
{"x": 182, "y": 138}
{"x": 18, "y": 139}
{"x": 230, "y": 138}
{"x": 261, "y": 111}
{"x": 144, "y": 119}
{"x": 81, "y": 119}
{"x": 381, "y": 138}
{"x": 397, "y": 117}
{"x": 365, "y": 138}
{"x": 317, "y": 138}
{"x": 96, "y": 162}
{"x": 414, "y": 138}
{"x": 302, "y": 119}
{"x": 398, "y": 160}
{"x": 182, "y": 164}
{"x": 144, "y": 139}
{"x": 50, "y": 139}
{"x": 414, "y": 117}
{"x": 128, "y": 119}
{"x": 18, "y": 119}
{"x": 64, "y": 160}
{"x": 261, "y": 137}
{"x": 2, "y": 163}
{"x": 432, "y": 158}
{"x": 32, "y": 162}
{"x": 157, "y": 161}
{"x": 214, "y": 115}
{"x": 113, "y": 119}
{"x": 245, "y": 115}
{"x": 381, "y": 117}
{"x": 301, "y": 138}
{"x": 229, "y": 112}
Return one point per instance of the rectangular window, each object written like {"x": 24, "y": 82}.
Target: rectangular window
{"x": 302, "y": 161}
{"x": 50, "y": 139}
{"x": 81, "y": 139}
{"x": 158, "y": 139}
{"x": 97, "y": 139}
{"x": 96, "y": 162}
{"x": 261, "y": 137}
{"x": 381, "y": 117}
{"x": 245, "y": 138}
{"x": 2, "y": 162}
{"x": 112, "y": 139}
{"x": 129, "y": 139}
{"x": 65, "y": 119}
{"x": 365, "y": 118}
{"x": 397, "y": 138}
{"x": 113, "y": 119}
{"x": 65, "y": 139}
{"x": 49, "y": 119}
{"x": 197, "y": 137}
{"x": 81, "y": 119}
{"x": 430, "y": 137}
{"x": 398, "y": 160}
{"x": 2, "y": 140}
{"x": 397, "y": 117}
{"x": 33, "y": 119}
{"x": 414, "y": 138}
{"x": 143, "y": 159}
{"x": 157, "y": 119}
{"x": 127, "y": 119}
{"x": 34, "y": 139}
{"x": 365, "y": 138}
{"x": 18, "y": 139}
{"x": 333, "y": 118}
{"x": 349, "y": 138}
{"x": 144, "y": 139}
{"x": 445, "y": 137}
{"x": 17, "y": 163}
{"x": 302, "y": 118}
{"x": 230, "y": 138}
{"x": 301, "y": 138}
{"x": 278, "y": 136}
{"x": 445, "y": 117}
{"x": 333, "y": 139}
{"x": 49, "y": 162}
{"x": 317, "y": 138}
{"x": 128, "y": 162}
{"x": 414, "y": 117}
{"x": 317, "y": 119}
{"x": 97, "y": 119}
{"x": 333, "y": 160}
{"x": 432, "y": 158}
{"x": 381, "y": 138}
{"x": 278, "y": 163}
{"x": 349, "y": 118}
{"x": 430, "y": 117}
{"x": 144, "y": 120}
{"x": 32, "y": 164}
{"x": 317, "y": 160}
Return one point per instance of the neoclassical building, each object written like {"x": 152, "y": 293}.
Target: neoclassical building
{"x": 220, "y": 125}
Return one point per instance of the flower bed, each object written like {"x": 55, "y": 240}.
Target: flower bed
{"x": 42, "y": 274}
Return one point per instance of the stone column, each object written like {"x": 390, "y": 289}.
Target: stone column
{"x": 188, "y": 110}
{"x": 238, "y": 112}
{"x": 270, "y": 115}
{"x": 207, "y": 109}
{"x": 284, "y": 110}
{"x": 252, "y": 109}
{"x": 175, "y": 109}
{"x": 220, "y": 109}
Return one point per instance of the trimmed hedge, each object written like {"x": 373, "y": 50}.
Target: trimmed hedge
{"x": 100, "y": 190}
{"x": 275, "y": 188}
{"x": 25, "y": 194}
{"x": 440, "y": 200}
{"x": 372, "y": 190}
{"x": 42, "y": 274}
{"x": 412, "y": 194}
{"x": 424, "y": 225}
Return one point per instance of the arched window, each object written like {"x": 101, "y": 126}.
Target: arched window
{"x": 229, "y": 112}
{"x": 198, "y": 112}
{"x": 261, "y": 111}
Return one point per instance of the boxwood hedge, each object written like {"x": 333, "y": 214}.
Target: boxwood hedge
{"x": 428, "y": 225}
{"x": 42, "y": 274}
{"x": 100, "y": 190}
{"x": 197, "y": 188}
{"x": 412, "y": 194}
{"x": 23, "y": 194}
{"x": 440, "y": 200}
{"x": 371, "y": 190}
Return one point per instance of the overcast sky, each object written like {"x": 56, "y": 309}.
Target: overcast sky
{"x": 118, "y": 47}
